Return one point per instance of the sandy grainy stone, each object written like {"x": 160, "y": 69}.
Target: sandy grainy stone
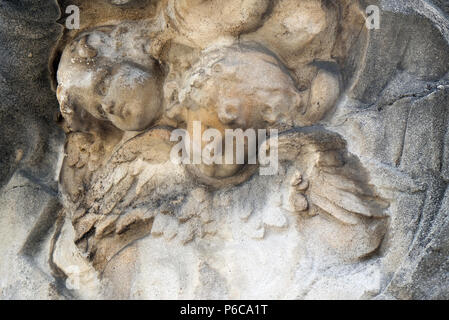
{"x": 348, "y": 201}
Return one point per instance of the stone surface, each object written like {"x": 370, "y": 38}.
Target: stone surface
{"x": 93, "y": 207}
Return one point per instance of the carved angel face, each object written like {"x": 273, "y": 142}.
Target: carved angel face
{"x": 236, "y": 88}
{"x": 110, "y": 87}
{"x": 322, "y": 205}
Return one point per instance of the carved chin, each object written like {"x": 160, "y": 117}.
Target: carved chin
{"x": 233, "y": 178}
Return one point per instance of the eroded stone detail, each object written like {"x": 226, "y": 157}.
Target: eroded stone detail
{"x": 344, "y": 208}
{"x": 120, "y": 104}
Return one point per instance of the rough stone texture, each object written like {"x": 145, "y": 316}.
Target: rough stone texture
{"x": 357, "y": 210}
{"x": 442, "y": 4}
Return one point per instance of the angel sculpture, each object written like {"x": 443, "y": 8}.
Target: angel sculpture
{"x": 245, "y": 86}
{"x": 120, "y": 105}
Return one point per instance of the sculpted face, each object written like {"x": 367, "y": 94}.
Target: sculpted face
{"x": 236, "y": 89}
{"x": 129, "y": 100}
{"x": 277, "y": 76}
{"x": 123, "y": 92}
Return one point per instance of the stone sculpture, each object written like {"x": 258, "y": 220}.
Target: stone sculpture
{"x": 356, "y": 206}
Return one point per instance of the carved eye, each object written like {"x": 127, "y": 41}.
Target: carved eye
{"x": 84, "y": 50}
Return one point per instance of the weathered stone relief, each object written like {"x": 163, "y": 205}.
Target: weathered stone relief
{"x": 360, "y": 194}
